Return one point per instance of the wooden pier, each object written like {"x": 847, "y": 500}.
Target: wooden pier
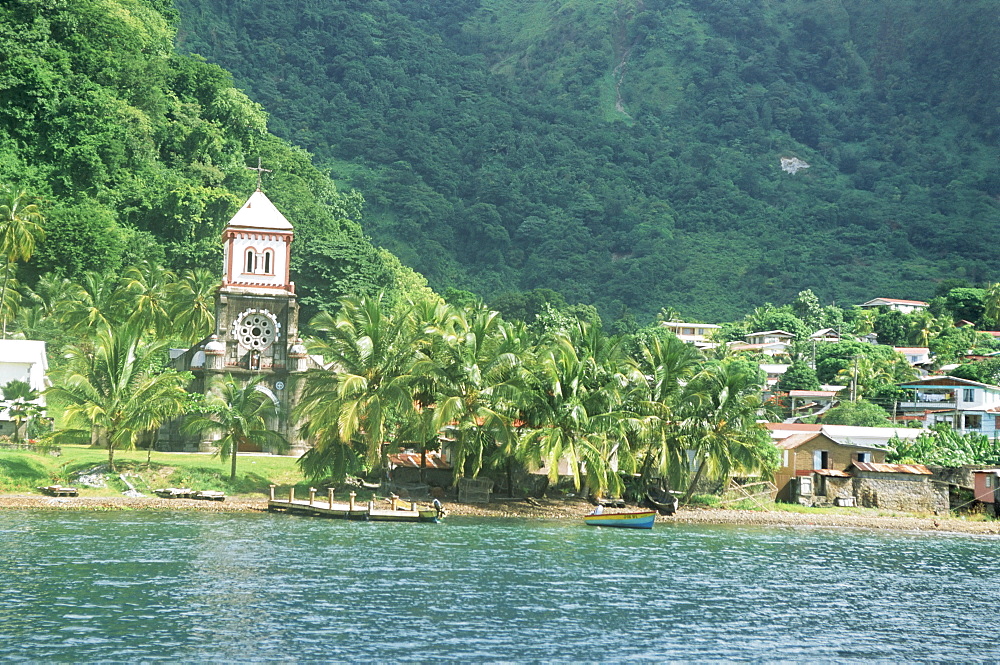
{"x": 59, "y": 490}
{"x": 395, "y": 511}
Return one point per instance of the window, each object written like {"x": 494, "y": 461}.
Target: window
{"x": 989, "y": 481}
{"x": 784, "y": 458}
{"x": 864, "y": 457}
{"x": 251, "y": 263}
{"x": 267, "y": 262}
{"x": 821, "y": 459}
{"x": 968, "y": 394}
{"x": 973, "y": 421}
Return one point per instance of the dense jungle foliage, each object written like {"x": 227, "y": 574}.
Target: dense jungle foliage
{"x": 626, "y": 153}
{"x": 136, "y": 154}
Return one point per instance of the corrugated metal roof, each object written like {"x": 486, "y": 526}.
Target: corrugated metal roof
{"x": 411, "y": 459}
{"x": 832, "y": 473}
{"x": 915, "y": 469}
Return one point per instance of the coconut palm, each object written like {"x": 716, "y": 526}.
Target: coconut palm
{"x": 149, "y": 287}
{"x": 20, "y": 401}
{"x": 20, "y": 229}
{"x": 923, "y": 327}
{"x": 720, "y": 410}
{"x": 575, "y": 414}
{"x": 114, "y": 388}
{"x": 470, "y": 377}
{"x": 991, "y": 304}
{"x": 192, "y": 304}
{"x": 101, "y": 302}
{"x": 865, "y": 374}
{"x": 666, "y": 365}
{"x": 240, "y": 414}
{"x": 367, "y": 397}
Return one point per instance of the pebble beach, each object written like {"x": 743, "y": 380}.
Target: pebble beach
{"x": 541, "y": 509}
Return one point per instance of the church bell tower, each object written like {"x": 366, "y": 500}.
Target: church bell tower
{"x": 256, "y": 311}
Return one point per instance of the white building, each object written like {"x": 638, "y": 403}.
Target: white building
{"x": 22, "y": 360}
{"x": 904, "y": 306}
{"x": 693, "y": 333}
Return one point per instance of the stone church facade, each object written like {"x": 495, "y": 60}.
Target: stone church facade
{"x": 256, "y": 324}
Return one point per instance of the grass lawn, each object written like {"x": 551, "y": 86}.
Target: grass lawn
{"x": 24, "y": 471}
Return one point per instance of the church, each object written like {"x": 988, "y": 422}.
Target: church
{"x": 256, "y": 324}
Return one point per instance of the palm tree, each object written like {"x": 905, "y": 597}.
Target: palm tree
{"x": 469, "y": 376}
{"x": 575, "y": 414}
{"x": 923, "y": 327}
{"x": 19, "y": 399}
{"x": 150, "y": 286}
{"x": 112, "y": 387}
{"x": 722, "y": 406}
{"x": 20, "y": 229}
{"x": 991, "y": 302}
{"x": 192, "y": 304}
{"x": 367, "y": 399}
{"x": 666, "y": 365}
{"x": 239, "y": 413}
{"x": 864, "y": 374}
{"x": 101, "y": 302}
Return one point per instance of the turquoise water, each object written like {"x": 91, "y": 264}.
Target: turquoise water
{"x": 222, "y": 587}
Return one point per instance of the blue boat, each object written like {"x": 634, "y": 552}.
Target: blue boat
{"x": 639, "y": 520}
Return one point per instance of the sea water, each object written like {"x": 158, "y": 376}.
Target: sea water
{"x": 139, "y": 586}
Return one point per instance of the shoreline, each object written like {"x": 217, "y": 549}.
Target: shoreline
{"x": 538, "y": 509}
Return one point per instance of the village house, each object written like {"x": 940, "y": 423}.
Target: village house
{"x": 412, "y": 468}
{"x": 917, "y": 356}
{"x": 986, "y": 486}
{"x": 965, "y": 405}
{"x": 817, "y": 470}
{"x": 693, "y": 333}
{"x": 904, "y": 306}
{"x": 773, "y": 372}
{"x": 770, "y": 337}
{"x": 809, "y": 458}
{"x": 875, "y": 437}
{"x": 811, "y": 400}
{"x": 826, "y": 335}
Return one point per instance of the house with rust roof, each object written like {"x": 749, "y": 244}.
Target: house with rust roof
{"x": 818, "y": 470}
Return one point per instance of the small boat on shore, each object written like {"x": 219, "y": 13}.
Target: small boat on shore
{"x": 642, "y": 519}
{"x": 661, "y": 500}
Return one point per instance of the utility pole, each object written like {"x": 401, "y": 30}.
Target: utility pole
{"x": 854, "y": 382}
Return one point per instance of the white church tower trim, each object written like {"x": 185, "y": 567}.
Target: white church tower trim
{"x": 257, "y": 248}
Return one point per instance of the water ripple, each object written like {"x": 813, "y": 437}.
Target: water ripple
{"x": 261, "y": 587}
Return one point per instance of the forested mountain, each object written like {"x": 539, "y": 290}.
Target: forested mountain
{"x": 627, "y": 153}
{"x": 137, "y": 155}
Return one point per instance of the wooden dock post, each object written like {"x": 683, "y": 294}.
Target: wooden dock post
{"x": 330, "y": 494}
{"x": 291, "y": 495}
{"x": 353, "y": 494}
{"x": 312, "y": 495}
{"x": 413, "y": 505}
{"x": 272, "y": 493}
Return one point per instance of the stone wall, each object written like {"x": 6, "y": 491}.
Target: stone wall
{"x": 899, "y": 491}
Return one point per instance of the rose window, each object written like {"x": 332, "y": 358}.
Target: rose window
{"x": 256, "y": 331}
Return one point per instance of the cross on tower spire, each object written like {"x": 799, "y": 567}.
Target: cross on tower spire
{"x": 260, "y": 171}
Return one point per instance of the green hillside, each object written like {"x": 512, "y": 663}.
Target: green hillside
{"x": 135, "y": 153}
{"x": 627, "y": 153}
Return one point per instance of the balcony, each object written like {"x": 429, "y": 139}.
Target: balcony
{"x": 928, "y": 400}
